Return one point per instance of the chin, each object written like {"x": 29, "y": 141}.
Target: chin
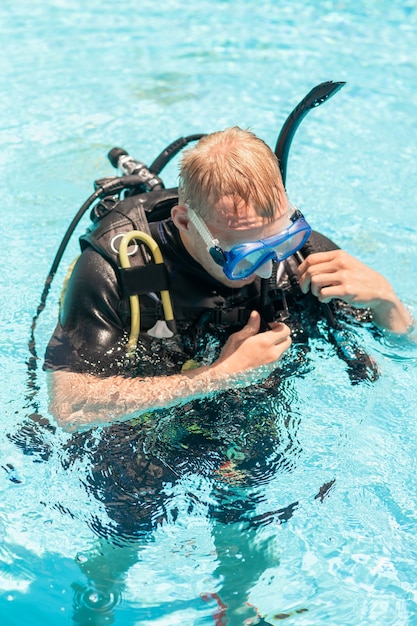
{"x": 237, "y": 284}
{"x": 219, "y": 275}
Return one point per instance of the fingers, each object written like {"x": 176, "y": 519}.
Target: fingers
{"x": 252, "y": 326}
{"x": 320, "y": 265}
{"x": 329, "y": 275}
{"x": 328, "y": 283}
{"x": 282, "y": 338}
{"x": 316, "y": 258}
{"x": 336, "y": 274}
{"x": 327, "y": 292}
{"x": 276, "y": 341}
{"x": 249, "y": 349}
{"x": 281, "y": 332}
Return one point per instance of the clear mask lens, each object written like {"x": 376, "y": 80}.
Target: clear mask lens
{"x": 288, "y": 247}
{"x": 257, "y": 259}
{"x": 262, "y": 257}
{"x": 265, "y": 270}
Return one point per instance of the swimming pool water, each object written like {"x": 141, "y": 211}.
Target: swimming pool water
{"x": 330, "y": 533}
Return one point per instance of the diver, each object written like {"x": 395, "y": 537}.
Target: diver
{"x": 175, "y": 334}
{"x": 232, "y": 227}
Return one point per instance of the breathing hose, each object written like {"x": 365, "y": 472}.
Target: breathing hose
{"x": 134, "y": 299}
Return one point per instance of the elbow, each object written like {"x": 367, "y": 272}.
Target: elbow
{"x": 63, "y": 414}
{"x": 64, "y": 406}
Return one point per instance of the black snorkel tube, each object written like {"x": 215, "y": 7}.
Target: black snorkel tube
{"x": 319, "y": 94}
{"x": 360, "y": 365}
{"x": 314, "y": 98}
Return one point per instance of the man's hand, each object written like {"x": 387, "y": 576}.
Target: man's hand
{"x": 249, "y": 349}
{"x": 337, "y": 274}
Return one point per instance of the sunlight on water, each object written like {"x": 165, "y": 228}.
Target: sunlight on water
{"x": 170, "y": 523}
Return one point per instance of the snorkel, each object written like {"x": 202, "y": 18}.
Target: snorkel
{"x": 360, "y": 365}
{"x": 319, "y": 94}
{"x": 314, "y": 98}
{"x": 269, "y": 292}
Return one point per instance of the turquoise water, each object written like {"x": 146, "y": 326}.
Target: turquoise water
{"x": 79, "y": 78}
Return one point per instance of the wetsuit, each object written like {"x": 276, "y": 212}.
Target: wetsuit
{"x": 233, "y": 439}
{"x": 95, "y": 317}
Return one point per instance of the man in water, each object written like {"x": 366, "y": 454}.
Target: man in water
{"x": 232, "y": 222}
{"x": 230, "y": 194}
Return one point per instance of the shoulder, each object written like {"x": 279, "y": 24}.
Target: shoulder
{"x": 112, "y": 219}
{"x": 320, "y": 243}
{"x": 92, "y": 278}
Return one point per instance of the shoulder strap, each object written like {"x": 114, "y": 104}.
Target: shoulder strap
{"x": 113, "y": 220}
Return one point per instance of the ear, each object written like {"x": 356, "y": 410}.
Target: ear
{"x": 180, "y": 218}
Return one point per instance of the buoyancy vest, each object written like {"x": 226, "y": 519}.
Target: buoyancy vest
{"x": 198, "y": 299}
{"x": 112, "y": 218}
{"x": 194, "y": 292}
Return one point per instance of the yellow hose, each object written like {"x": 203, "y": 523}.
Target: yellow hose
{"x": 134, "y": 300}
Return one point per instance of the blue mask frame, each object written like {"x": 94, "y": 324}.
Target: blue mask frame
{"x": 244, "y": 259}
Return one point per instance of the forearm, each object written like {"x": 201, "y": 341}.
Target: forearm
{"x": 82, "y": 399}
{"x": 79, "y": 400}
{"x": 390, "y": 314}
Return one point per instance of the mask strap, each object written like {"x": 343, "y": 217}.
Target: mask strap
{"x": 202, "y": 228}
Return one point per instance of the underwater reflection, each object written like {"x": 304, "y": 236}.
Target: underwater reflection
{"x": 205, "y": 460}
{"x": 208, "y": 461}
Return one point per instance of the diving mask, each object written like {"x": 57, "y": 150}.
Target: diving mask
{"x": 244, "y": 259}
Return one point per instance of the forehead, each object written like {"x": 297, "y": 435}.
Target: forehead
{"x": 231, "y": 213}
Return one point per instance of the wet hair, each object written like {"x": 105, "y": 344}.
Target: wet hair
{"x": 233, "y": 162}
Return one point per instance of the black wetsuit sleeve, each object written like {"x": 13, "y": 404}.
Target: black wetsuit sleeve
{"x": 89, "y": 333}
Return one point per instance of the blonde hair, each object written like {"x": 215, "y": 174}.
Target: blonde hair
{"x": 232, "y": 162}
